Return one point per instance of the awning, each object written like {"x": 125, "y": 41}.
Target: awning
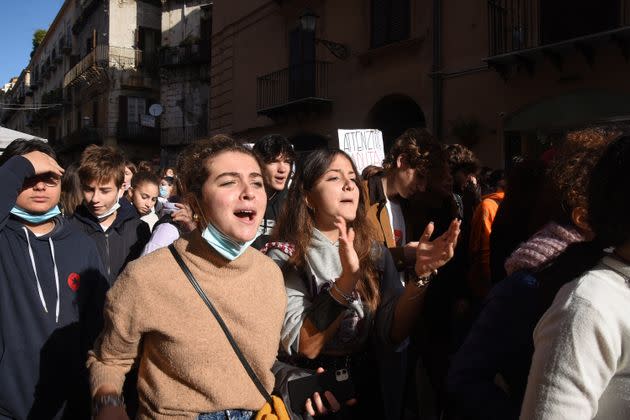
{"x": 576, "y": 109}
{"x": 7, "y": 136}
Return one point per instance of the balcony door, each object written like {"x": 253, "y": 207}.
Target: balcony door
{"x": 566, "y": 19}
{"x": 130, "y": 111}
{"x": 301, "y": 64}
{"x": 149, "y": 43}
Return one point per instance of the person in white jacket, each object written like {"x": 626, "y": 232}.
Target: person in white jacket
{"x": 581, "y": 364}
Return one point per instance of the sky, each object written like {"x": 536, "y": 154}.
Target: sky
{"x": 19, "y": 20}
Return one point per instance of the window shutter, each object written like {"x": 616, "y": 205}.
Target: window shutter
{"x": 399, "y": 20}
{"x": 379, "y": 23}
{"x": 122, "y": 110}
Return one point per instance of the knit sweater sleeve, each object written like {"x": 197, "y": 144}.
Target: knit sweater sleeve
{"x": 576, "y": 355}
{"x": 125, "y": 322}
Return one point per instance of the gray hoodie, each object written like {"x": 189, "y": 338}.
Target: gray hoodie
{"x": 322, "y": 268}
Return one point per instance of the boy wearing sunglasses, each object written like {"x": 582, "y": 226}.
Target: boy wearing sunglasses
{"x": 52, "y": 289}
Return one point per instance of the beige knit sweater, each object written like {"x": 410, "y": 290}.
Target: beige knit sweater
{"x": 187, "y": 366}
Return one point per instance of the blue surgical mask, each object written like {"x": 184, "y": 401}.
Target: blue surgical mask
{"x": 224, "y": 245}
{"x": 164, "y": 191}
{"x": 35, "y": 218}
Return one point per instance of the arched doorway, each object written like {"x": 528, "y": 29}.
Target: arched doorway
{"x": 393, "y": 114}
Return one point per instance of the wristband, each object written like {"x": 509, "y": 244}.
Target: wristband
{"x": 349, "y": 298}
{"x": 106, "y": 400}
{"x": 423, "y": 281}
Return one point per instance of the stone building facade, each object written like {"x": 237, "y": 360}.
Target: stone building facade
{"x": 115, "y": 79}
{"x": 94, "y": 76}
{"x": 184, "y": 73}
{"x": 500, "y": 76}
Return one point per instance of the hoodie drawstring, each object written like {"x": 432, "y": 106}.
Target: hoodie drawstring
{"x": 39, "y": 287}
{"x": 52, "y": 252}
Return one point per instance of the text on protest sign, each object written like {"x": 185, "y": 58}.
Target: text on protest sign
{"x": 364, "y": 145}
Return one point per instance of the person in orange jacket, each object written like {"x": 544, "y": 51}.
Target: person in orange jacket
{"x": 480, "y": 229}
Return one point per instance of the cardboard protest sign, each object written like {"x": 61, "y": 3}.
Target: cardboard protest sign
{"x": 364, "y": 145}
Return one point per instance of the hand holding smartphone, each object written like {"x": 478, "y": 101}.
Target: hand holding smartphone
{"x": 338, "y": 382}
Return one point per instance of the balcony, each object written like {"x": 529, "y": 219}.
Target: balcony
{"x": 102, "y": 57}
{"x": 54, "y": 101}
{"x": 65, "y": 44}
{"x": 87, "y": 8}
{"x": 83, "y": 137}
{"x": 176, "y": 136}
{"x": 7, "y": 115}
{"x": 193, "y": 54}
{"x": 521, "y": 32}
{"x": 46, "y": 70}
{"x": 299, "y": 88}
{"x": 136, "y": 133}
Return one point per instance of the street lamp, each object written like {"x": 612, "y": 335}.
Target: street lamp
{"x": 308, "y": 23}
{"x": 308, "y": 20}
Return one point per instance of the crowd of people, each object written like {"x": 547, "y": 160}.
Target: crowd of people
{"x": 435, "y": 287}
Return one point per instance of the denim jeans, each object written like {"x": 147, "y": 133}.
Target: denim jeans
{"x": 228, "y": 415}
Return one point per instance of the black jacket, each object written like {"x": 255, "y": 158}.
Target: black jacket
{"x": 272, "y": 214}
{"x": 123, "y": 241}
{"x": 42, "y": 359}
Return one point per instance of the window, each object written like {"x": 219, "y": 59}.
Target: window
{"x": 302, "y": 64}
{"x": 390, "y": 22}
{"x": 579, "y": 17}
{"x": 95, "y": 113}
{"x": 89, "y": 45}
{"x": 135, "y": 108}
{"x": 156, "y": 3}
{"x": 148, "y": 39}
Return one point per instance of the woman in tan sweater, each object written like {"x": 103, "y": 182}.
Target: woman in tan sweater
{"x": 187, "y": 368}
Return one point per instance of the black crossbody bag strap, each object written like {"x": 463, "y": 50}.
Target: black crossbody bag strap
{"x": 224, "y": 327}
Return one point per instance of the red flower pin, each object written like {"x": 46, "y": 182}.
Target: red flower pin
{"x": 74, "y": 281}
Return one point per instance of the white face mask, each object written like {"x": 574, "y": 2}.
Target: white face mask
{"x": 108, "y": 212}
{"x": 223, "y": 244}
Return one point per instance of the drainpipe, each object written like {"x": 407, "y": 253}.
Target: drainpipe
{"x": 437, "y": 69}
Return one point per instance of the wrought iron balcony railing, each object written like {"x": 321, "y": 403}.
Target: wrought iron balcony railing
{"x": 184, "y": 55}
{"x": 135, "y": 132}
{"x": 174, "y": 136}
{"x": 87, "y": 7}
{"x": 300, "y": 84}
{"x": 515, "y": 25}
{"x": 105, "y": 56}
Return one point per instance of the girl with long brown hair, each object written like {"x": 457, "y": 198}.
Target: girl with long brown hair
{"x": 346, "y": 305}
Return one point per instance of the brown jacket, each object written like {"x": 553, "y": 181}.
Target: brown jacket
{"x": 187, "y": 366}
{"x": 378, "y": 217}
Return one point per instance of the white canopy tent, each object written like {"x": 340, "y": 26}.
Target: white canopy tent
{"x": 8, "y": 135}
